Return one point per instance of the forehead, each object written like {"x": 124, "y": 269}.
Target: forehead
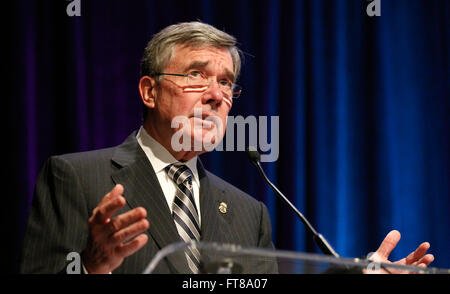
{"x": 183, "y": 56}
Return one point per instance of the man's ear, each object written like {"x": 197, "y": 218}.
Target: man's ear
{"x": 147, "y": 89}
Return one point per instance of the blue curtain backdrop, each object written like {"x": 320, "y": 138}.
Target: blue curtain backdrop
{"x": 363, "y": 104}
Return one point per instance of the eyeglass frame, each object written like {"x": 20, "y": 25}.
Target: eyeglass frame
{"x": 233, "y": 85}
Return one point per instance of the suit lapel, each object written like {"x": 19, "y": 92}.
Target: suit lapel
{"x": 141, "y": 188}
{"x": 210, "y": 197}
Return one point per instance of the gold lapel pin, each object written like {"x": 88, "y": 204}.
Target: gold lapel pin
{"x": 223, "y": 207}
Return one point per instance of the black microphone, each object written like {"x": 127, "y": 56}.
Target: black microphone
{"x": 321, "y": 242}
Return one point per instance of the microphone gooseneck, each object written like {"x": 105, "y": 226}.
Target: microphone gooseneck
{"x": 321, "y": 242}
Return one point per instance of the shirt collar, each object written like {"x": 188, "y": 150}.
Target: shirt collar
{"x": 159, "y": 157}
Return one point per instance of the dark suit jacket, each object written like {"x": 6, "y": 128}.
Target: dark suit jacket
{"x": 70, "y": 186}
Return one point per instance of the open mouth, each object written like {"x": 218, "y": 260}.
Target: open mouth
{"x": 204, "y": 122}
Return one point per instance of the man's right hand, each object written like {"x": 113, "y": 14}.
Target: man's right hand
{"x": 110, "y": 238}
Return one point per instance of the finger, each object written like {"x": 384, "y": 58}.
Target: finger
{"x": 418, "y": 253}
{"x": 426, "y": 260}
{"x": 133, "y": 246}
{"x": 388, "y": 244}
{"x": 125, "y": 219}
{"x": 422, "y": 265}
{"x": 104, "y": 212}
{"x": 129, "y": 232}
{"x": 116, "y": 191}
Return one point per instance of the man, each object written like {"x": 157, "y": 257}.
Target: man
{"x": 119, "y": 206}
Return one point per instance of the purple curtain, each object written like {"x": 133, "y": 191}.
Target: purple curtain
{"x": 363, "y": 105}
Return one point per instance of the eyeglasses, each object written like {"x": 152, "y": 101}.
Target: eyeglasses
{"x": 200, "y": 82}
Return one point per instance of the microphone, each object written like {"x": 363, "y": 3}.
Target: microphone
{"x": 321, "y": 242}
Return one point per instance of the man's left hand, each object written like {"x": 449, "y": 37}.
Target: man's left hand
{"x": 417, "y": 258}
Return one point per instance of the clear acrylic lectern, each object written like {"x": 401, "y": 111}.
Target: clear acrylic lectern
{"x": 233, "y": 259}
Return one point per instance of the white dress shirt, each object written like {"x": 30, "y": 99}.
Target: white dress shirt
{"x": 160, "y": 158}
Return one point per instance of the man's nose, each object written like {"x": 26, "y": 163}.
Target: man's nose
{"x": 213, "y": 94}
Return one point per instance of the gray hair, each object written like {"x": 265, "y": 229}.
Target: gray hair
{"x": 196, "y": 34}
{"x": 160, "y": 49}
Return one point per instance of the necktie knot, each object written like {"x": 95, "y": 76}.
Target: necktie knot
{"x": 180, "y": 173}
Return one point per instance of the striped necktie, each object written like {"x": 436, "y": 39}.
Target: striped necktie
{"x": 185, "y": 212}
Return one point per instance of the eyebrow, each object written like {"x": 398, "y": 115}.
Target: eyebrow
{"x": 203, "y": 64}
{"x": 197, "y": 64}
